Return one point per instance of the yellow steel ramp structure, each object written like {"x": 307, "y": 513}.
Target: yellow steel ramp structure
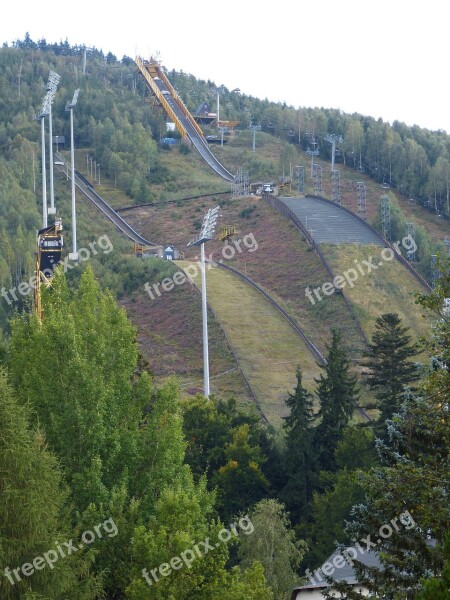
{"x": 160, "y": 86}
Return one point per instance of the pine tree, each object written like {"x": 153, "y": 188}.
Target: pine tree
{"x": 338, "y": 395}
{"x": 389, "y": 362}
{"x": 299, "y": 456}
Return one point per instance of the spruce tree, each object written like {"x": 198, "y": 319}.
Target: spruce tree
{"x": 389, "y": 362}
{"x": 32, "y": 514}
{"x": 338, "y": 395}
{"x": 299, "y": 455}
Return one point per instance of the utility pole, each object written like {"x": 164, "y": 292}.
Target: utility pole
{"x": 52, "y": 85}
{"x": 255, "y": 129}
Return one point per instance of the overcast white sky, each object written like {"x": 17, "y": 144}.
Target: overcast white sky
{"x": 383, "y": 58}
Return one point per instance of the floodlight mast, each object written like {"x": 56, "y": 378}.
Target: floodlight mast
{"x": 41, "y": 117}
{"x": 52, "y": 85}
{"x": 206, "y": 234}
{"x": 69, "y": 107}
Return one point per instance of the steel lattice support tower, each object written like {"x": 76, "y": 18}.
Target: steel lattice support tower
{"x": 317, "y": 177}
{"x": 447, "y": 243}
{"x": 240, "y": 186}
{"x": 300, "y": 176}
{"x": 386, "y": 217}
{"x": 434, "y": 273}
{"x": 411, "y": 254}
{"x": 336, "y": 186}
{"x": 361, "y": 198}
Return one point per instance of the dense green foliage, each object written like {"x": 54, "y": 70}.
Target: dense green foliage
{"x": 120, "y": 445}
{"x": 273, "y": 544}
{"x": 32, "y": 511}
{"x": 413, "y": 478}
{"x": 86, "y": 436}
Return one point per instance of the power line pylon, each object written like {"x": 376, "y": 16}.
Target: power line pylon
{"x": 332, "y": 138}
{"x": 240, "y": 185}
{"x": 312, "y": 152}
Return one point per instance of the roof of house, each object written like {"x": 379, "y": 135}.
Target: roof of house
{"x": 339, "y": 567}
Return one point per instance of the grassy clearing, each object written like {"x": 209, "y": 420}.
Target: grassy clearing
{"x": 170, "y": 338}
{"x": 283, "y": 264}
{"x": 267, "y": 347}
{"x": 389, "y": 288}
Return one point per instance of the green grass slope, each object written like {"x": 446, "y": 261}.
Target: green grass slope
{"x": 387, "y": 288}
{"x": 267, "y": 347}
{"x": 283, "y": 263}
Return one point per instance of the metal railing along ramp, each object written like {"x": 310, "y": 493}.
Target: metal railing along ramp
{"x": 163, "y": 90}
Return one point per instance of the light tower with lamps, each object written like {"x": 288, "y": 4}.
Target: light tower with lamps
{"x": 41, "y": 117}
{"x": 206, "y": 234}
{"x": 52, "y": 86}
{"x": 69, "y": 107}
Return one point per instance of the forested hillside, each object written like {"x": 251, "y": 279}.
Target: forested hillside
{"x": 116, "y": 126}
{"x": 116, "y": 485}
